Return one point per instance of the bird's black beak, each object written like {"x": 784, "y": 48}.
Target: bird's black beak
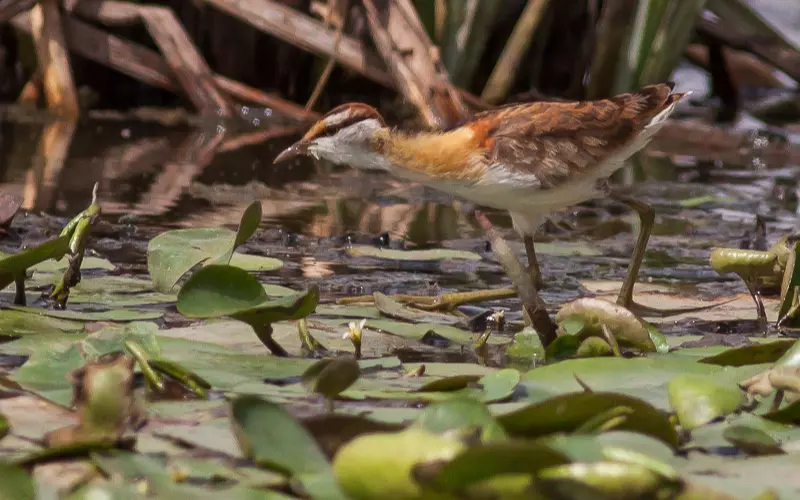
{"x": 297, "y": 149}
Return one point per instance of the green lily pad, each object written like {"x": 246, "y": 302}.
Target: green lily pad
{"x": 487, "y": 460}
{"x": 381, "y": 465}
{"x": 605, "y": 480}
{"x": 526, "y": 348}
{"x": 88, "y": 262}
{"x": 629, "y": 330}
{"x": 768, "y": 352}
{"x": 419, "y": 331}
{"x": 17, "y": 484}
{"x": 172, "y": 254}
{"x": 329, "y": 377}
{"x": 272, "y": 438}
{"x": 697, "y": 400}
{"x": 20, "y": 323}
{"x": 112, "y": 315}
{"x": 415, "y": 255}
{"x": 393, "y": 309}
{"x": 752, "y": 441}
{"x": 460, "y": 414}
{"x": 255, "y": 262}
{"x": 220, "y": 290}
{"x": 4, "y": 427}
{"x": 569, "y": 412}
{"x": 791, "y": 357}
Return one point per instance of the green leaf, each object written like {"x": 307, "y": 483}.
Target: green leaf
{"x": 569, "y": 412}
{"x": 393, "y": 309}
{"x": 248, "y": 225}
{"x": 381, "y": 465}
{"x": 112, "y": 315}
{"x": 605, "y": 480}
{"x": 218, "y": 290}
{"x": 88, "y": 262}
{"x": 593, "y": 347}
{"x": 329, "y": 377}
{"x": 697, "y": 400}
{"x": 629, "y": 330}
{"x": 460, "y": 414}
{"x": 256, "y": 263}
{"x": 272, "y": 438}
{"x": 172, "y": 254}
{"x": 20, "y": 323}
{"x": 4, "y": 427}
{"x": 484, "y": 461}
{"x": 526, "y": 348}
{"x": 753, "y": 354}
{"x": 22, "y": 261}
{"x": 752, "y": 441}
{"x": 414, "y": 255}
{"x": 16, "y": 483}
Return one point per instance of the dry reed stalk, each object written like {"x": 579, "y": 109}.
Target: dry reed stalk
{"x": 54, "y": 66}
{"x": 521, "y": 37}
{"x": 149, "y": 67}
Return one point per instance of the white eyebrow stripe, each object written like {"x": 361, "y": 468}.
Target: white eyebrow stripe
{"x": 338, "y": 118}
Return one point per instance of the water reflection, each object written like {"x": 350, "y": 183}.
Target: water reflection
{"x": 205, "y": 176}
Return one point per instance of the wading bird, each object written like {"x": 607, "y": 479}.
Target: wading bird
{"x": 530, "y": 159}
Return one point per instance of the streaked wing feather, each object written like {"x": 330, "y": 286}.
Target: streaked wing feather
{"x": 555, "y": 140}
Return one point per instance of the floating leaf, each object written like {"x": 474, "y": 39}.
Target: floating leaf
{"x": 605, "y": 480}
{"x": 594, "y": 347}
{"x": 752, "y": 441}
{"x": 19, "y": 323}
{"x": 255, "y": 262}
{"x": 460, "y": 414}
{"x": 272, "y": 438}
{"x": 568, "y": 412}
{"x": 329, "y": 377}
{"x": 219, "y": 290}
{"x": 393, "y": 309}
{"x": 415, "y": 255}
{"x": 526, "y": 348}
{"x": 629, "y": 330}
{"x": 172, "y": 254}
{"x": 112, "y": 315}
{"x": 16, "y": 483}
{"x": 4, "y": 427}
{"x": 380, "y": 465}
{"x": 697, "y": 400}
{"x": 767, "y": 352}
{"x": 484, "y": 461}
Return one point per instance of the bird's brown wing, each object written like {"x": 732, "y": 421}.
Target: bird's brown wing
{"x": 556, "y": 140}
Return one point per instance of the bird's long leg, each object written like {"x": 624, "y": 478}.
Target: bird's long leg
{"x": 533, "y": 263}
{"x": 647, "y": 219}
{"x": 625, "y": 298}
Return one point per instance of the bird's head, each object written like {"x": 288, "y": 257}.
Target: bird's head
{"x": 343, "y": 135}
